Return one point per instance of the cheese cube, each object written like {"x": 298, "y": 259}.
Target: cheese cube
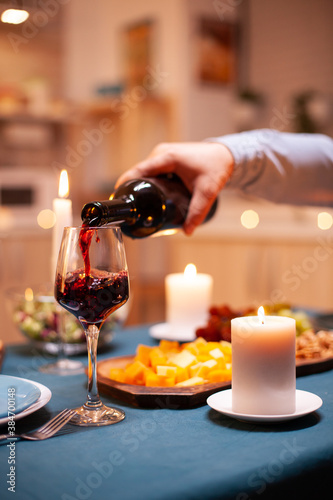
{"x": 117, "y": 374}
{"x": 169, "y": 345}
{"x": 194, "y": 369}
{"x": 143, "y": 354}
{"x": 216, "y": 353}
{"x": 157, "y": 357}
{"x": 183, "y": 359}
{"x": 182, "y": 374}
{"x": 166, "y": 371}
{"x": 191, "y": 381}
{"x": 210, "y": 363}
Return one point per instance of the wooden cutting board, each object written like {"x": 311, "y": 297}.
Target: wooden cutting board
{"x": 152, "y": 397}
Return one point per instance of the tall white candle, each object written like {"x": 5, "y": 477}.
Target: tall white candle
{"x": 263, "y": 365}
{"x": 62, "y": 208}
{"x": 188, "y": 298}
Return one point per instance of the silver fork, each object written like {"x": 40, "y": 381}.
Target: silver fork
{"x": 47, "y": 430}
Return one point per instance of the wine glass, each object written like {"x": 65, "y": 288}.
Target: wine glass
{"x": 91, "y": 283}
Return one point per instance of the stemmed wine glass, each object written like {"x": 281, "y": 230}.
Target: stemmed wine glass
{"x": 91, "y": 283}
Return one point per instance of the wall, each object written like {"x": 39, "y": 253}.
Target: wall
{"x": 96, "y": 59}
{"x": 290, "y": 49}
{"x": 94, "y": 49}
{"x": 285, "y": 49}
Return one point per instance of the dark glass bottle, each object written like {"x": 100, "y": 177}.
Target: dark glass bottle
{"x": 143, "y": 206}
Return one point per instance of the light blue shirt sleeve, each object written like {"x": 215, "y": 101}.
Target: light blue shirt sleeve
{"x": 282, "y": 167}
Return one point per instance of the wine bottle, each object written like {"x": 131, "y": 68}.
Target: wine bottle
{"x": 143, "y": 206}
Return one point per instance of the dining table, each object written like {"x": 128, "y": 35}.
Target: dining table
{"x": 167, "y": 451}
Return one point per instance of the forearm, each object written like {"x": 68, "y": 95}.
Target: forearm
{"x": 282, "y": 167}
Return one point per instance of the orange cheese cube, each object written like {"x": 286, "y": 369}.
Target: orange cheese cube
{"x": 219, "y": 375}
{"x": 134, "y": 373}
{"x": 117, "y": 374}
{"x": 169, "y": 345}
{"x": 143, "y": 354}
{"x": 182, "y": 374}
{"x": 152, "y": 380}
{"x": 157, "y": 357}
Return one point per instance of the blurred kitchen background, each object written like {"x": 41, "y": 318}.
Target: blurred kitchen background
{"x": 92, "y": 87}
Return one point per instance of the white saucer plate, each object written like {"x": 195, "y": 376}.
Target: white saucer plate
{"x": 45, "y": 396}
{"x": 17, "y": 394}
{"x": 306, "y": 403}
{"x": 163, "y": 331}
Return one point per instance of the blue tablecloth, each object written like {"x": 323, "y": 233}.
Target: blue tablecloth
{"x": 163, "y": 453}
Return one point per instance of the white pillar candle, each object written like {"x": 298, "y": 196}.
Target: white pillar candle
{"x": 263, "y": 365}
{"x": 62, "y": 208}
{"x": 188, "y": 298}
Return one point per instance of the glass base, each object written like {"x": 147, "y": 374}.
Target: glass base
{"x": 63, "y": 367}
{"x": 102, "y": 415}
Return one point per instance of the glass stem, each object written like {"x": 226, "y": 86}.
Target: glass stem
{"x": 61, "y": 336}
{"x": 93, "y": 399}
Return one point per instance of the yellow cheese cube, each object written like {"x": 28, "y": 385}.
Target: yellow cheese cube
{"x": 191, "y": 381}
{"x": 200, "y": 342}
{"x": 202, "y": 371}
{"x": 192, "y": 348}
{"x": 210, "y": 363}
{"x": 166, "y": 371}
{"x": 183, "y": 359}
{"x": 194, "y": 369}
{"x": 216, "y": 353}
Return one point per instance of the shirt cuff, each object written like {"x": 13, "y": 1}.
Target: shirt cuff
{"x": 247, "y": 149}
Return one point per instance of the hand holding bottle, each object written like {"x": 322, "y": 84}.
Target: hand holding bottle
{"x": 204, "y": 168}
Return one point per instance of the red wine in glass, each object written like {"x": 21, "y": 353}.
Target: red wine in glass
{"x": 91, "y": 283}
{"x": 91, "y": 298}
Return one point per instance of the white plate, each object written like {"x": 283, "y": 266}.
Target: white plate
{"x": 164, "y": 331}
{"x": 44, "y": 398}
{"x": 26, "y": 393}
{"x": 306, "y": 402}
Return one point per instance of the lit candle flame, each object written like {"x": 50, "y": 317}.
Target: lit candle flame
{"x": 261, "y": 314}
{"x": 63, "y": 184}
{"x": 29, "y": 295}
{"x": 190, "y": 271}
{"x": 14, "y": 16}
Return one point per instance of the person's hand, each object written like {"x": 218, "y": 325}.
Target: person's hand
{"x": 204, "y": 167}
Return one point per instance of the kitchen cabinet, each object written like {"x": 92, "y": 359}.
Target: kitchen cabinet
{"x": 32, "y": 140}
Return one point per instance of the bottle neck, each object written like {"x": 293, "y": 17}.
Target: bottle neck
{"x": 99, "y": 213}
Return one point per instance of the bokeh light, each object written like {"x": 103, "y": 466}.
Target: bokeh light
{"x": 249, "y": 219}
{"x": 46, "y": 219}
{"x": 324, "y": 220}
